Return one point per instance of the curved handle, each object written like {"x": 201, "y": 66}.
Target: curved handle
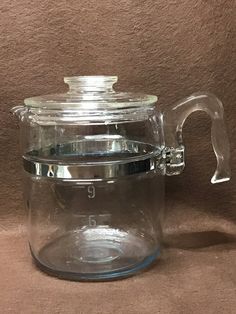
{"x": 174, "y": 119}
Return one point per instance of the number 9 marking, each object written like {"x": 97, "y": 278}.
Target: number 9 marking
{"x": 91, "y": 191}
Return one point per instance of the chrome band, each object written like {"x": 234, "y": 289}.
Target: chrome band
{"x": 93, "y": 157}
{"x": 82, "y": 172}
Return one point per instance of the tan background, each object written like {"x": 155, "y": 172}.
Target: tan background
{"x": 170, "y": 48}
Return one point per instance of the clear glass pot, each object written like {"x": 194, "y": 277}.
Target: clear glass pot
{"x": 95, "y": 162}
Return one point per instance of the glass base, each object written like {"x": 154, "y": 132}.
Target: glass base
{"x": 96, "y": 254}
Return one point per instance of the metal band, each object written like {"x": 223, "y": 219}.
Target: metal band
{"x": 81, "y": 171}
{"x": 93, "y": 158}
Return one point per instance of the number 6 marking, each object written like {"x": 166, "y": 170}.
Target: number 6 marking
{"x": 91, "y": 191}
{"x": 92, "y": 221}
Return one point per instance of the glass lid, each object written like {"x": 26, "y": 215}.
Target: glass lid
{"x": 91, "y": 93}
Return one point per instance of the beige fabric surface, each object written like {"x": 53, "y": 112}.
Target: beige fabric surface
{"x": 168, "y": 48}
{"x": 182, "y": 281}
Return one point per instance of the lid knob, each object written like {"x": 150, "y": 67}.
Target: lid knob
{"x": 90, "y": 83}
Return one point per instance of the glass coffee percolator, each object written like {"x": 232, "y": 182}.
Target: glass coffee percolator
{"x": 94, "y": 166}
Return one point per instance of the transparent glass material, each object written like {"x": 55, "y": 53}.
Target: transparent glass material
{"x": 95, "y": 162}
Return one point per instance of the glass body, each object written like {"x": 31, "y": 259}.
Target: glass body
{"x": 95, "y": 228}
{"x": 94, "y": 182}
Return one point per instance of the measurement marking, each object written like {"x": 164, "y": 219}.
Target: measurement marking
{"x": 92, "y": 221}
{"x": 91, "y": 191}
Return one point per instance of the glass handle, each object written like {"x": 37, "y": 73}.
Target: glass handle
{"x": 174, "y": 119}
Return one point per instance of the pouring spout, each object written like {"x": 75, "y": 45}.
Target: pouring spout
{"x": 18, "y": 111}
